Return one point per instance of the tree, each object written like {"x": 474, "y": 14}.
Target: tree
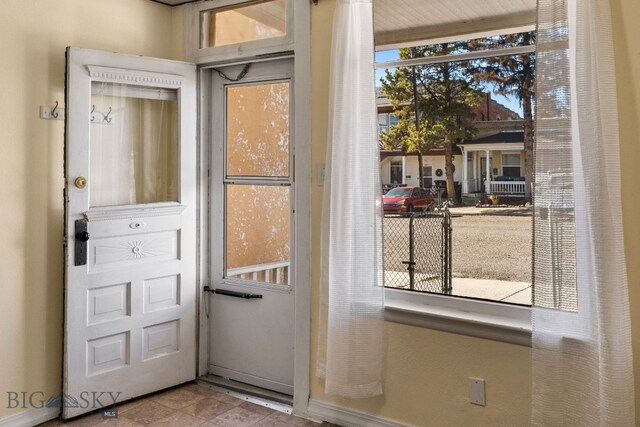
{"x": 433, "y": 103}
{"x": 512, "y": 75}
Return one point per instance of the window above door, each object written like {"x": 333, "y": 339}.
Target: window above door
{"x": 228, "y": 29}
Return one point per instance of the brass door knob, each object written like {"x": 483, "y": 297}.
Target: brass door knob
{"x": 80, "y": 182}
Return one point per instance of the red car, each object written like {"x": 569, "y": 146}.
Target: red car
{"x": 406, "y": 199}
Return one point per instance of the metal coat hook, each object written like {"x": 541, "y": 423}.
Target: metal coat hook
{"x": 93, "y": 108}
{"x": 54, "y": 114}
{"x": 106, "y": 116}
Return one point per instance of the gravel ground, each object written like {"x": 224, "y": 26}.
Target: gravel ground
{"x": 492, "y": 247}
{"x": 484, "y": 246}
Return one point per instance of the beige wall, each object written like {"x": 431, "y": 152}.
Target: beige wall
{"x": 425, "y": 378}
{"x": 425, "y": 372}
{"x": 34, "y": 35}
{"x": 626, "y": 38}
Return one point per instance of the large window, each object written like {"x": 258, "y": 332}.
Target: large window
{"x": 463, "y": 93}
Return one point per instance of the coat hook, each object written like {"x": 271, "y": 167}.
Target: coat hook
{"x": 93, "y": 108}
{"x": 106, "y": 116}
{"x": 53, "y": 112}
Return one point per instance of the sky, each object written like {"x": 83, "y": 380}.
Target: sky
{"x": 510, "y": 102}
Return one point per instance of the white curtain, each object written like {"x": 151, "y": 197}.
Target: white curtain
{"x": 582, "y": 359}
{"x": 134, "y": 158}
{"x": 351, "y": 291}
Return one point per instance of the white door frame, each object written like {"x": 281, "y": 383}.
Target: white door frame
{"x": 302, "y": 169}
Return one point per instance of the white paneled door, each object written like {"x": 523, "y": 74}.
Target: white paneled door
{"x": 130, "y": 290}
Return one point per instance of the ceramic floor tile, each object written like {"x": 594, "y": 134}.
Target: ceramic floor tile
{"x": 257, "y": 408}
{"x": 179, "y": 419}
{"x": 226, "y": 398}
{"x": 89, "y": 420}
{"x": 119, "y": 422}
{"x": 207, "y": 408}
{"x": 146, "y": 413}
{"x": 130, "y": 404}
{"x": 199, "y": 389}
{"x": 279, "y": 419}
{"x": 177, "y": 398}
{"x": 237, "y": 417}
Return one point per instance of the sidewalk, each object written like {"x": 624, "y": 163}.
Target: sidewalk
{"x": 494, "y": 290}
{"x": 498, "y": 211}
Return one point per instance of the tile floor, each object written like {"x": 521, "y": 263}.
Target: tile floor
{"x": 189, "y": 405}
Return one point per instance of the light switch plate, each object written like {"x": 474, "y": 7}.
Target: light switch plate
{"x": 476, "y": 391}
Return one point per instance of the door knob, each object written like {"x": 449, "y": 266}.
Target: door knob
{"x": 83, "y": 236}
{"x": 80, "y": 182}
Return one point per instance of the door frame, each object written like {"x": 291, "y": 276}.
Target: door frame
{"x": 301, "y": 273}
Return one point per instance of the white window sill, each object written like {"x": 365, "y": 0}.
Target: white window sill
{"x": 484, "y": 319}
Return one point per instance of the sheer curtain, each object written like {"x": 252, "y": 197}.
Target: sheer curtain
{"x": 134, "y": 157}
{"x": 351, "y": 291}
{"x": 582, "y": 359}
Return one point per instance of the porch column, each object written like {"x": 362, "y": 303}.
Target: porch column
{"x": 488, "y": 172}
{"x": 404, "y": 169}
{"x": 465, "y": 182}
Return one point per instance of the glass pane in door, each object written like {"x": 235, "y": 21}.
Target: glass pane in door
{"x": 133, "y": 145}
{"x": 258, "y": 130}
{"x": 258, "y": 232}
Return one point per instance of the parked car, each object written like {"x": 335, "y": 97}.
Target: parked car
{"x": 406, "y": 199}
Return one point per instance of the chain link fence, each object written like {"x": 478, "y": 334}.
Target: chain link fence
{"x": 417, "y": 251}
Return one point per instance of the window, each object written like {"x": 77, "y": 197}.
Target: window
{"x": 231, "y": 29}
{"x": 511, "y": 165}
{"x": 258, "y": 183}
{"x": 386, "y": 121}
{"x": 488, "y": 256}
{"x": 427, "y": 176}
{"x": 244, "y": 23}
{"x": 396, "y": 172}
{"x": 383, "y": 122}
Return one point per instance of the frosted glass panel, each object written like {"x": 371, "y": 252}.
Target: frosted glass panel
{"x": 258, "y": 130}
{"x": 133, "y": 145}
{"x": 258, "y": 232}
{"x": 257, "y": 21}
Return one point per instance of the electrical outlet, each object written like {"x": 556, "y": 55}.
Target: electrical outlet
{"x": 476, "y": 391}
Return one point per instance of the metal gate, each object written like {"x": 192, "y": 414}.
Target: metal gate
{"x": 417, "y": 251}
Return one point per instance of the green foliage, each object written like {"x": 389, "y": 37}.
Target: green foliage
{"x": 446, "y": 95}
{"x": 512, "y": 74}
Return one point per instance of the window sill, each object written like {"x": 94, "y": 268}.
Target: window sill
{"x": 483, "y": 319}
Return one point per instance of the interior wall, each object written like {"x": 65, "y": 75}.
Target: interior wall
{"x": 626, "y": 34}
{"x": 34, "y": 36}
{"x": 426, "y": 372}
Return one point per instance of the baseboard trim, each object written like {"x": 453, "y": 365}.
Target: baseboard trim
{"x": 346, "y": 417}
{"x": 30, "y": 417}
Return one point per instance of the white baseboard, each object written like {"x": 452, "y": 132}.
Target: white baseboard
{"x": 30, "y": 417}
{"x": 346, "y": 417}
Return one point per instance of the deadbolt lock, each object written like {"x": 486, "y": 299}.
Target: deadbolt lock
{"x": 80, "y": 182}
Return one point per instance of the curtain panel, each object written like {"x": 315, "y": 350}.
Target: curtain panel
{"x": 582, "y": 358}
{"x": 351, "y": 290}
